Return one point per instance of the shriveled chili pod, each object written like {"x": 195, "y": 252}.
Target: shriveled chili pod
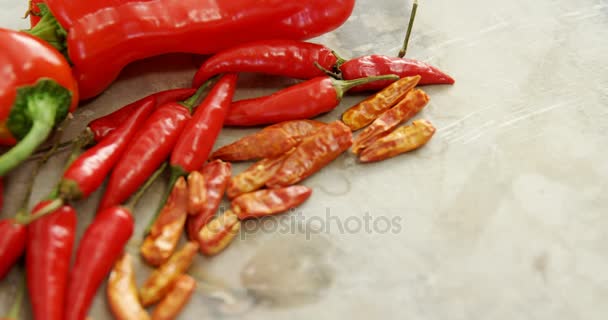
{"x": 269, "y": 202}
{"x": 315, "y": 152}
{"x": 122, "y": 293}
{"x": 407, "y": 108}
{"x": 166, "y": 230}
{"x": 197, "y": 193}
{"x": 401, "y": 140}
{"x": 302, "y": 101}
{"x": 176, "y": 299}
{"x": 270, "y": 142}
{"x": 216, "y": 175}
{"x": 161, "y": 280}
{"x": 290, "y": 58}
{"x": 216, "y": 235}
{"x": 366, "y": 111}
{"x": 254, "y": 177}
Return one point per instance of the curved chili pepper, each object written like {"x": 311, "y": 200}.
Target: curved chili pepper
{"x": 37, "y": 91}
{"x": 270, "y": 142}
{"x": 12, "y": 244}
{"x": 412, "y": 103}
{"x": 145, "y": 29}
{"x": 376, "y": 65}
{"x": 315, "y": 152}
{"x": 122, "y": 291}
{"x": 301, "y": 101}
{"x": 196, "y": 140}
{"x": 268, "y": 202}
{"x": 89, "y": 170}
{"x": 47, "y": 262}
{"x": 216, "y": 235}
{"x": 290, "y": 58}
{"x": 254, "y": 177}
{"x": 366, "y": 111}
{"x": 175, "y": 300}
{"x": 216, "y": 175}
{"x": 399, "y": 141}
{"x": 103, "y": 126}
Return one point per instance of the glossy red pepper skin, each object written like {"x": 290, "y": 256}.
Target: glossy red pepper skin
{"x": 12, "y": 244}
{"x": 375, "y": 65}
{"x": 103, "y": 126}
{"x": 101, "y": 245}
{"x": 196, "y": 140}
{"x": 47, "y": 262}
{"x": 290, "y": 58}
{"x": 68, "y": 11}
{"x": 105, "y": 38}
{"x": 90, "y": 169}
{"x": 146, "y": 152}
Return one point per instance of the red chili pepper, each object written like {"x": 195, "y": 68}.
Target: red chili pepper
{"x": 196, "y": 140}
{"x": 375, "y": 65}
{"x": 36, "y": 92}
{"x": 47, "y": 262}
{"x": 118, "y": 35}
{"x": 34, "y": 12}
{"x": 288, "y": 58}
{"x": 269, "y": 202}
{"x": 1, "y": 193}
{"x": 302, "y": 101}
{"x": 12, "y": 244}
{"x": 103, "y": 126}
{"x": 150, "y": 147}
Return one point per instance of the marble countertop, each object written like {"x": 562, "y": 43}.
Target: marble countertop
{"x": 498, "y": 217}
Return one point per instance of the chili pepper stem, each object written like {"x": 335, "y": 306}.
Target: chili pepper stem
{"x": 344, "y": 85}
{"x": 13, "y": 313}
{"x": 43, "y": 118}
{"x": 85, "y": 138}
{"x": 340, "y": 61}
{"x": 24, "y": 219}
{"x": 176, "y": 173}
{"x": 409, "y": 30}
{"x": 327, "y": 72}
{"x": 137, "y": 196}
{"x": 191, "y": 102}
{"x": 49, "y": 29}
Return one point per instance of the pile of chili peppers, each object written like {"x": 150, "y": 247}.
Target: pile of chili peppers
{"x": 177, "y": 129}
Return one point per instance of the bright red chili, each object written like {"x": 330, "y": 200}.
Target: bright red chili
{"x": 47, "y": 261}
{"x": 12, "y": 244}
{"x": 37, "y": 90}
{"x": 301, "y": 101}
{"x": 375, "y": 65}
{"x": 118, "y": 35}
{"x": 88, "y": 172}
{"x": 288, "y": 58}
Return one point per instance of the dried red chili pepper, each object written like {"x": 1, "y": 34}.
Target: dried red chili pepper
{"x": 270, "y": 142}
{"x": 145, "y": 29}
{"x": 176, "y": 299}
{"x": 301, "y": 101}
{"x": 413, "y": 102}
{"x": 151, "y": 145}
{"x": 401, "y": 140}
{"x": 295, "y": 59}
{"x": 216, "y": 175}
{"x": 122, "y": 291}
{"x": 37, "y": 92}
{"x": 254, "y": 177}
{"x": 366, "y": 111}
{"x": 197, "y": 194}
{"x": 88, "y": 172}
{"x": 159, "y": 283}
{"x": 47, "y": 262}
{"x": 166, "y": 230}
{"x": 269, "y": 202}
{"x": 216, "y": 235}
{"x": 315, "y": 152}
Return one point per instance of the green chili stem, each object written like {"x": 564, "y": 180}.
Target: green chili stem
{"x": 51, "y": 207}
{"x": 135, "y": 198}
{"x": 16, "y": 307}
{"x": 344, "y": 85}
{"x": 409, "y": 29}
{"x": 327, "y": 72}
{"x": 190, "y": 102}
{"x": 176, "y": 173}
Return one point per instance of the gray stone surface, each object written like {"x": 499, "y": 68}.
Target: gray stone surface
{"x": 501, "y": 216}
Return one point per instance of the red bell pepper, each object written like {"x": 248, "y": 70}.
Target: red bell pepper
{"x": 117, "y": 35}
{"x": 37, "y": 90}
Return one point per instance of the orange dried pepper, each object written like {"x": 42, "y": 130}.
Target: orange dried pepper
{"x": 315, "y": 152}
{"x": 270, "y": 142}
{"x": 219, "y": 233}
{"x": 162, "y": 279}
{"x": 401, "y": 140}
{"x": 369, "y": 109}
{"x": 167, "y": 229}
{"x": 197, "y": 193}
{"x": 216, "y": 175}
{"x": 122, "y": 291}
{"x": 268, "y": 202}
{"x": 173, "y": 303}
{"x": 413, "y": 102}
{"x": 254, "y": 177}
